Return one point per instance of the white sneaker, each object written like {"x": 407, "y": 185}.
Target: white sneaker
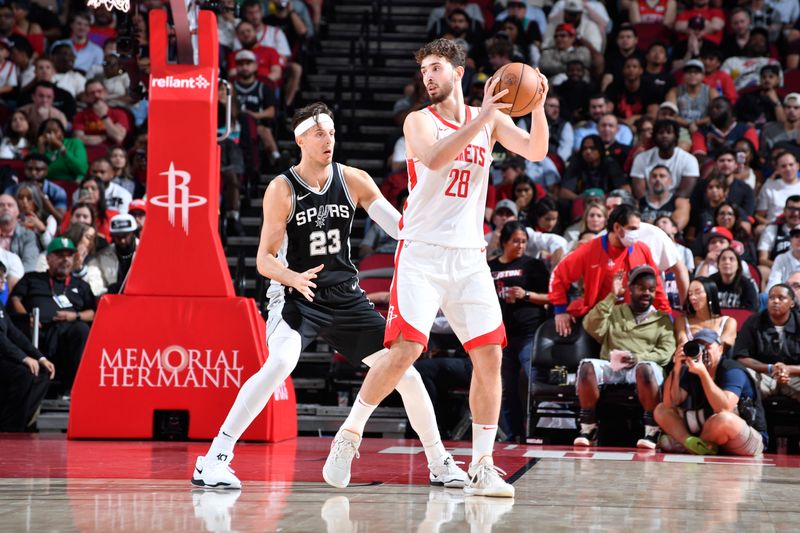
{"x": 483, "y": 513}
{"x": 336, "y": 514}
{"x": 344, "y": 447}
{"x": 445, "y": 472}
{"x": 485, "y": 480}
{"x": 650, "y": 439}
{"x": 214, "y": 508}
{"x": 216, "y": 473}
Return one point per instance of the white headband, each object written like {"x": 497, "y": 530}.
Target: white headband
{"x": 323, "y": 119}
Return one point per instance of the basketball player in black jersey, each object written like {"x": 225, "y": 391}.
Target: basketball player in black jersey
{"x": 305, "y": 252}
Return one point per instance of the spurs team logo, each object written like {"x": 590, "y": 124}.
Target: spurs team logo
{"x": 178, "y": 197}
{"x": 322, "y": 214}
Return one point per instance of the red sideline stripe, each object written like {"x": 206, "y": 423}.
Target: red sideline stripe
{"x": 498, "y": 336}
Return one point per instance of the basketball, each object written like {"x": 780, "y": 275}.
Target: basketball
{"x": 524, "y": 88}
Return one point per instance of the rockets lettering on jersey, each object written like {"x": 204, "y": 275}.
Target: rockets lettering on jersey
{"x": 474, "y": 154}
{"x": 446, "y": 206}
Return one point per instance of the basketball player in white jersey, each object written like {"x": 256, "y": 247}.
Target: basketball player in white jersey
{"x": 440, "y": 261}
{"x": 305, "y": 252}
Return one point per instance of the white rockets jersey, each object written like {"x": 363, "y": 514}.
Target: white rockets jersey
{"x": 446, "y": 206}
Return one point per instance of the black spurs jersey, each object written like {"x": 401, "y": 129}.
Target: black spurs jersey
{"x": 318, "y": 228}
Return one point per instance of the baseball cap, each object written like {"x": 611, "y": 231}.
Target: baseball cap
{"x": 123, "y": 223}
{"x": 245, "y": 55}
{"x": 516, "y": 3}
{"x": 60, "y": 243}
{"x": 706, "y": 336}
{"x": 137, "y": 205}
{"x": 694, "y": 63}
{"x": 507, "y": 204}
{"x": 567, "y": 27}
{"x": 669, "y": 105}
{"x": 791, "y": 96}
{"x": 719, "y": 231}
{"x": 775, "y": 69}
{"x": 640, "y": 271}
{"x": 594, "y": 193}
{"x": 573, "y": 6}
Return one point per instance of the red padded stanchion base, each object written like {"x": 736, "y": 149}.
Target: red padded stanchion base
{"x": 148, "y": 353}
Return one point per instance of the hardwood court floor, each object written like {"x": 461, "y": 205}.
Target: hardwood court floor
{"x": 51, "y": 484}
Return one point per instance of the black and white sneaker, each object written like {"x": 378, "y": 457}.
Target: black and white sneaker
{"x": 215, "y": 473}
{"x": 650, "y": 439}
{"x": 587, "y": 436}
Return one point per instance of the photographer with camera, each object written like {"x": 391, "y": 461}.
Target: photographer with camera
{"x": 769, "y": 344}
{"x": 710, "y": 402}
{"x": 637, "y": 341}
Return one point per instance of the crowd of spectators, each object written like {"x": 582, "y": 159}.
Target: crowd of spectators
{"x": 674, "y": 151}
{"x": 73, "y": 155}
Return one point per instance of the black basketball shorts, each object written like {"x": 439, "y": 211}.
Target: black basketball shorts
{"x": 341, "y": 315}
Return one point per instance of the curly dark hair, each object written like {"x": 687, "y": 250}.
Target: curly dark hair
{"x": 444, "y": 48}
{"x": 311, "y": 110}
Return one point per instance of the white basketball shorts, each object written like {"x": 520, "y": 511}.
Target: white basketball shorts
{"x": 428, "y": 277}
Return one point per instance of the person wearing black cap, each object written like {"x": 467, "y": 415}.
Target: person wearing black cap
{"x": 66, "y": 306}
{"x": 711, "y": 403}
{"x": 25, "y": 374}
{"x": 115, "y": 261}
{"x": 637, "y": 342}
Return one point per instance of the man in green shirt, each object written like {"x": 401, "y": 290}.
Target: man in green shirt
{"x": 637, "y": 341}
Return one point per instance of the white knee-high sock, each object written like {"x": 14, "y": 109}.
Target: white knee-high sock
{"x": 284, "y": 352}
{"x": 421, "y": 414}
{"x": 359, "y": 414}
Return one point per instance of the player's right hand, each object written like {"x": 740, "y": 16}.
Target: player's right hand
{"x": 303, "y": 284}
{"x": 564, "y": 323}
{"x": 491, "y": 101}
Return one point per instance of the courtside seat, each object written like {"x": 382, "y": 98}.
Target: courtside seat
{"x": 551, "y": 350}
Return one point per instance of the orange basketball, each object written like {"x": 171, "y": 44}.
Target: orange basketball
{"x": 524, "y": 89}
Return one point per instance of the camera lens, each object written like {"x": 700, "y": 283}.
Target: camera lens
{"x": 692, "y": 349}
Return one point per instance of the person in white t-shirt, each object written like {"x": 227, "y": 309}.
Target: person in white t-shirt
{"x": 14, "y": 268}
{"x": 787, "y": 263}
{"x": 682, "y": 165}
{"x": 117, "y": 197}
{"x": 662, "y": 248}
{"x": 774, "y": 193}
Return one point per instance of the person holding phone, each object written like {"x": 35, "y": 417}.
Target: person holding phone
{"x": 637, "y": 341}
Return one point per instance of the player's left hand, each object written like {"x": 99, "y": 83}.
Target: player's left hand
{"x": 491, "y": 101}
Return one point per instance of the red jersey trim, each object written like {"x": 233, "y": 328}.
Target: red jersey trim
{"x": 498, "y": 336}
{"x": 468, "y": 115}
